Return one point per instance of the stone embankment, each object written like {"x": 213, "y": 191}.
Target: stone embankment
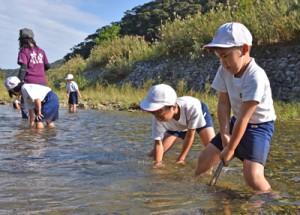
{"x": 281, "y": 63}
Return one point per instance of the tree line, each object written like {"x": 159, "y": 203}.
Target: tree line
{"x": 145, "y": 21}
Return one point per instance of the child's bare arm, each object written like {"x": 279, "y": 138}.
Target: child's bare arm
{"x": 159, "y": 152}
{"x": 246, "y": 110}
{"x": 224, "y": 110}
{"x": 38, "y": 105}
{"x": 79, "y": 94}
{"x": 186, "y": 146}
{"x": 31, "y": 117}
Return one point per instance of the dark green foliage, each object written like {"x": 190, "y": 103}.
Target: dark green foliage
{"x": 107, "y": 33}
{"x": 83, "y": 49}
{"x": 146, "y": 20}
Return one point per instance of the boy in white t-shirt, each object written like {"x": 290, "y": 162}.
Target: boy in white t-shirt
{"x": 40, "y": 100}
{"x": 72, "y": 93}
{"x": 243, "y": 88}
{"x": 175, "y": 118}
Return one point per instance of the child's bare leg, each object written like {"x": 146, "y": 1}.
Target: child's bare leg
{"x": 74, "y": 108}
{"x": 39, "y": 125}
{"x": 208, "y": 157}
{"x": 206, "y": 135}
{"x": 169, "y": 141}
{"x": 254, "y": 176}
{"x": 70, "y": 108}
{"x": 50, "y": 124}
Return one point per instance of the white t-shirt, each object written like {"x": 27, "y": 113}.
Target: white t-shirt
{"x": 72, "y": 87}
{"x": 191, "y": 117}
{"x": 254, "y": 85}
{"x": 32, "y": 92}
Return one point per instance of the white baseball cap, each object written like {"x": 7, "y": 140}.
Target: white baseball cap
{"x": 69, "y": 77}
{"x": 159, "y": 96}
{"x": 230, "y": 35}
{"x": 11, "y": 82}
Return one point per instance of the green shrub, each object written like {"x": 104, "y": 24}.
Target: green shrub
{"x": 56, "y": 77}
{"x": 118, "y": 55}
{"x": 269, "y": 22}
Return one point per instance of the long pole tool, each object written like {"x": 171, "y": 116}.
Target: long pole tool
{"x": 215, "y": 177}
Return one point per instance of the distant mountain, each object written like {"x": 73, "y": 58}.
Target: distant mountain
{"x": 10, "y": 72}
{"x": 57, "y": 63}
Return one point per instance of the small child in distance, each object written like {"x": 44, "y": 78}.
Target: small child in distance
{"x": 72, "y": 93}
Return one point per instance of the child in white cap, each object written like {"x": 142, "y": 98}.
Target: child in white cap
{"x": 243, "y": 89}
{"x": 38, "y": 98}
{"x": 175, "y": 118}
{"x": 72, "y": 93}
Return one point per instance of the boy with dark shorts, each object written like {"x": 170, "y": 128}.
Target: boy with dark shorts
{"x": 243, "y": 89}
{"x": 176, "y": 118}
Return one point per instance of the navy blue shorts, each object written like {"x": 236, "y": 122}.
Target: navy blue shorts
{"x": 255, "y": 143}
{"x": 207, "y": 117}
{"x": 24, "y": 110}
{"x": 50, "y": 107}
{"x": 73, "y": 98}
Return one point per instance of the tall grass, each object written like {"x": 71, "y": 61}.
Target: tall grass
{"x": 269, "y": 22}
{"x": 118, "y": 55}
{"x": 287, "y": 111}
{"x": 76, "y": 65}
{"x": 127, "y": 97}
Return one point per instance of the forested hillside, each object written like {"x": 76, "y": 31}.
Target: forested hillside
{"x": 145, "y": 21}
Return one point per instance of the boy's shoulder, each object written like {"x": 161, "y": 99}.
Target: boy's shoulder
{"x": 36, "y": 87}
{"x": 254, "y": 68}
{"x": 188, "y": 102}
{"x": 187, "y": 99}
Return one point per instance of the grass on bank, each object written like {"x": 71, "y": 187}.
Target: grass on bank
{"x": 128, "y": 97}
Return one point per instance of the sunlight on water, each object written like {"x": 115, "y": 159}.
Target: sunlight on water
{"x": 96, "y": 162}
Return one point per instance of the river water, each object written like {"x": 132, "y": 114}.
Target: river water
{"x": 95, "y": 162}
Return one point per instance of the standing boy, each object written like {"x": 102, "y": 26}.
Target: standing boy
{"x": 175, "y": 118}
{"x": 243, "y": 88}
{"x": 72, "y": 93}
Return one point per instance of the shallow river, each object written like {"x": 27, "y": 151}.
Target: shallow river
{"x": 96, "y": 162}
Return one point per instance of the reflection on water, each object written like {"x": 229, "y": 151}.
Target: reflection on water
{"x": 96, "y": 162}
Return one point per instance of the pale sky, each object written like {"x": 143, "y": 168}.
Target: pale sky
{"x": 58, "y": 25}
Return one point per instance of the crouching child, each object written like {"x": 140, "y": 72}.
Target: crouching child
{"x": 41, "y": 101}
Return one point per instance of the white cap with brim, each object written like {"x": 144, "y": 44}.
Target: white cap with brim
{"x": 11, "y": 82}
{"x": 232, "y": 34}
{"x": 159, "y": 96}
{"x": 69, "y": 77}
